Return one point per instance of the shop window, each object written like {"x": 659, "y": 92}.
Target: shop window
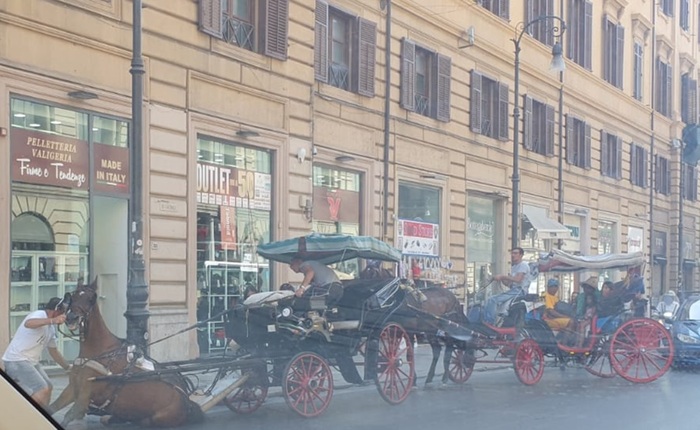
{"x": 234, "y": 191}
{"x": 252, "y": 25}
{"x": 482, "y": 242}
{"x": 31, "y": 232}
{"x": 607, "y": 244}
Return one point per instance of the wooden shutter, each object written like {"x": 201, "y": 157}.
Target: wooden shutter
{"x": 604, "y": 159}
{"x": 588, "y": 35}
{"x": 570, "y": 37}
{"x": 634, "y": 168}
{"x": 570, "y": 140}
{"x": 685, "y": 97}
{"x": 618, "y": 157}
{"x": 549, "y": 130}
{"x": 444, "y": 79}
{"x": 669, "y": 90}
{"x": 619, "y": 55}
{"x": 693, "y": 107}
{"x": 321, "y": 42}
{"x": 211, "y": 18}
{"x": 276, "y": 29}
{"x": 504, "y": 9}
{"x": 527, "y": 123}
{"x": 587, "y": 147}
{"x": 408, "y": 75}
{"x": 367, "y": 49}
{"x": 502, "y": 121}
{"x": 529, "y": 14}
{"x": 475, "y": 114}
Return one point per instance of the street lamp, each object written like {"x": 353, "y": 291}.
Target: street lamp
{"x": 557, "y": 65}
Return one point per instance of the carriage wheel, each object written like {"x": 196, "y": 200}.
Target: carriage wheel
{"x": 247, "y": 398}
{"x": 641, "y": 350}
{"x": 598, "y": 363}
{"x": 461, "y": 366}
{"x": 308, "y": 384}
{"x": 395, "y": 364}
{"x": 529, "y": 362}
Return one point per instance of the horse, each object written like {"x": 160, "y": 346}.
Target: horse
{"x": 162, "y": 402}
{"x": 440, "y": 303}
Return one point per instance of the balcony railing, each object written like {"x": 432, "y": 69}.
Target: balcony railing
{"x": 239, "y": 33}
{"x": 422, "y": 104}
{"x": 338, "y": 75}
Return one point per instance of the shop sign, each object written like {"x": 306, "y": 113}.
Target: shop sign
{"x": 659, "y": 244}
{"x": 418, "y": 238}
{"x": 336, "y": 205}
{"x": 228, "y": 186}
{"x": 228, "y": 228}
{"x": 49, "y": 159}
{"x": 111, "y": 169}
{"x": 635, "y": 239}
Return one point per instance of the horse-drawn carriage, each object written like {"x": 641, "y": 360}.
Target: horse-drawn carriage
{"x": 638, "y": 349}
{"x": 282, "y": 340}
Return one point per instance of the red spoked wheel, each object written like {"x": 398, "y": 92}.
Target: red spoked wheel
{"x": 641, "y": 350}
{"x": 461, "y": 366}
{"x": 598, "y": 363}
{"x": 395, "y": 364}
{"x": 529, "y": 362}
{"x": 308, "y": 384}
{"x": 249, "y": 397}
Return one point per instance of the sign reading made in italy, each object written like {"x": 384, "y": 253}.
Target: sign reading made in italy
{"x": 49, "y": 159}
{"x": 228, "y": 186}
{"x": 111, "y": 169}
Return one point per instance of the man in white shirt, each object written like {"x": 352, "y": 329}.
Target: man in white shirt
{"x": 518, "y": 280}
{"x": 316, "y": 275}
{"x": 21, "y": 359}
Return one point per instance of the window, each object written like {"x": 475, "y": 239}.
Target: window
{"x": 690, "y": 182}
{"x": 540, "y": 31}
{"x": 667, "y": 7}
{"x": 500, "y": 8}
{"x": 538, "y": 127}
{"x": 664, "y": 88}
{"x": 253, "y": 25}
{"x": 489, "y": 107}
{"x": 610, "y": 155}
{"x": 580, "y": 31}
{"x": 638, "y": 89}
{"x": 684, "y": 15}
{"x": 689, "y": 99}
{"x": 425, "y": 81}
{"x": 639, "y": 159}
{"x": 613, "y": 52}
{"x": 344, "y": 50}
{"x": 662, "y": 175}
{"x": 578, "y": 142}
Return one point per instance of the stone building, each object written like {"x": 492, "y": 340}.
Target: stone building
{"x": 267, "y": 119}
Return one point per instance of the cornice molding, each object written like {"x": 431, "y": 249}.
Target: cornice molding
{"x": 641, "y": 27}
{"x": 615, "y": 8}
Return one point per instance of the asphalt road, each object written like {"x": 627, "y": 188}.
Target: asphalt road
{"x": 494, "y": 400}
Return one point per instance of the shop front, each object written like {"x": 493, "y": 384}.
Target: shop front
{"x": 608, "y": 244}
{"x": 234, "y": 192}
{"x": 689, "y": 260}
{"x": 483, "y": 241}
{"x": 337, "y": 207}
{"x": 69, "y": 209}
{"x": 659, "y": 247}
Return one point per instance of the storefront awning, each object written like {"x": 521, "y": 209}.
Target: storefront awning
{"x": 546, "y": 228}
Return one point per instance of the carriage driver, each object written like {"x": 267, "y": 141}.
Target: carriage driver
{"x": 518, "y": 281}
{"x": 21, "y": 359}
{"x": 317, "y": 276}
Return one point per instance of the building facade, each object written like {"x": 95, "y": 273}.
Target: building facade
{"x": 268, "y": 119}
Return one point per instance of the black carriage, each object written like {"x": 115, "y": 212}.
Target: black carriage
{"x": 299, "y": 339}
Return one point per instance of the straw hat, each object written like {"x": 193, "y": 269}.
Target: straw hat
{"x": 591, "y": 282}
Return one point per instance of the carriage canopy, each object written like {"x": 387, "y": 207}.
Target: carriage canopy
{"x": 559, "y": 261}
{"x": 329, "y": 249}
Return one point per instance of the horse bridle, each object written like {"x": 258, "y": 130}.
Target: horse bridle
{"x": 82, "y": 318}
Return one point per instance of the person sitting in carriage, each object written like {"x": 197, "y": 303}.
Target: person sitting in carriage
{"x": 317, "y": 277}
{"x": 519, "y": 283}
{"x": 554, "y": 314}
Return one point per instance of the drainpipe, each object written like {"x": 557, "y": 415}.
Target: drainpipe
{"x": 387, "y": 117}
{"x": 652, "y": 164}
{"x": 560, "y": 167}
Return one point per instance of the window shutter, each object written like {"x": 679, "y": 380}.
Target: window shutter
{"x": 619, "y": 56}
{"x": 669, "y": 90}
{"x": 408, "y": 75}
{"x": 276, "y": 29}
{"x": 606, "y": 49}
{"x": 570, "y": 38}
{"x": 588, "y": 35}
{"x": 321, "y": 42}
{"x": 587, "y": 147}
{"x": 444, "y": 79}
{"x": 210, "y": 18}
{"x": 634, "y": 174}
{"x": 529, "y": 14}
{"x": 685, "y": 97}
{"x": 527, "y": 123}
{"x": 502, "y": 111}
{"x": 475, "y": 102}
{"x": 693, "y": 101}
{"x": 367, "y": 57}
{"x": 604, "y": 159}
{"x": 618, "y": 157}
{"x": 504, "y": 6}
{"x": 570, "y": 140}
{"x": 549, "y": 131}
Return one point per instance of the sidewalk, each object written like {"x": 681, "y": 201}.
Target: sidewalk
{"x": 423, "y": 358}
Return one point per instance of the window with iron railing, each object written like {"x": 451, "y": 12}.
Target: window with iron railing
{"x": 578, "y": 142}
{"x": 540, "y": 30}
{"x": 489, "y": 106}
{"x": 613, "y": 52}
{"x": 610, "y": 155}
{"x": 238, "y": 32}
{"x": 638, "y": 70}
{"x": 639, "y": 166}
{"x": 662, "y": 175}
{"x": 663, "y": 102}
{"x": 580, "y": 32}
{"x": 425, "y": 81}
{"x": 538, "y": 127}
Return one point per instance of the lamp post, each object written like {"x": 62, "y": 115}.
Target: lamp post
{"x": 136, "y": 289}
{"x": 557, "y": 65}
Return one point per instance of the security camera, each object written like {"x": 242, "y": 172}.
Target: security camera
{"x": 314, "y": 150}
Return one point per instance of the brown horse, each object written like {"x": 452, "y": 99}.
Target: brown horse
{"x": 438, "y": 302}
{"x": 152, "y": 402}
